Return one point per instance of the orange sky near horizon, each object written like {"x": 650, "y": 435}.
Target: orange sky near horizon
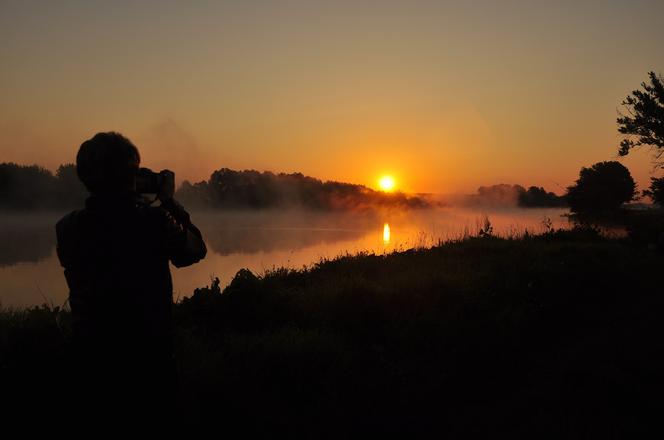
{"x": 444, "y": 96}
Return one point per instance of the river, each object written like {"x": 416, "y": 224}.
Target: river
{"x": 30, "y": 273}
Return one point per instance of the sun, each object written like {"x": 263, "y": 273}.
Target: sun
{"x": 387, "y": 183}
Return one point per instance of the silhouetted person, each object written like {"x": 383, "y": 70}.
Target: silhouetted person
{"x": 116, "y": 254}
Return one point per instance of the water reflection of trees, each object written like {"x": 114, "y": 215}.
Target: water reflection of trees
{"x": 25, "y": 239}
{"x": 265, "y": 232}
{"x": 237, "y": 240}
{"x": 31, "y": 237}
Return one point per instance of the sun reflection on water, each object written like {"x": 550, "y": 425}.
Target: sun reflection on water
{"x": 386, "y": 233}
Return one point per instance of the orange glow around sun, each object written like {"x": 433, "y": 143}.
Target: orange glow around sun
{"x": 387, "y": 183}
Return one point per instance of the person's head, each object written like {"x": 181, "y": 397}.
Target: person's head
{"x": 107, "y": 163}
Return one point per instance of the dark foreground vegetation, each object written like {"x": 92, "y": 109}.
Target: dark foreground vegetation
{"x": 557, "y": 335}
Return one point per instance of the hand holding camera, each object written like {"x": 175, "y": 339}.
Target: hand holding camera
{"x": 162, "y": 184}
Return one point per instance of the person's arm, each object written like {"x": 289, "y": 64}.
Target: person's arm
{"x": 186, "y": 245}
{"x": 185, "y": 242}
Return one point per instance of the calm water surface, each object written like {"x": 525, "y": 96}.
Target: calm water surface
{"x": 30, "y": 273}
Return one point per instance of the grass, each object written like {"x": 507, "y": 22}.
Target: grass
{"x": 556, "y": 334}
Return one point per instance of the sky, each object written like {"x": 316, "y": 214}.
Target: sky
{"x": 443, "y": 95}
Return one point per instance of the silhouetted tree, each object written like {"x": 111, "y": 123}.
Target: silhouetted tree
{"x": 33, "y": 187}
{"x": 70, "y": 191}
{"x": 656, "y": 190}
{"x": 538, "y": 197}
{"x": 196, "y": 195}
{"x": 603, "y": 187}
{"x": 26, "y": 187}
{"x": 644, "y": 122}
{"x": 502, "y": 194}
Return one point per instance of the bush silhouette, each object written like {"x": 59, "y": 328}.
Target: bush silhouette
{"x": 602, "y": 187}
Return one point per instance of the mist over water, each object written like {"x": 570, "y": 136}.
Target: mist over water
{"x": 30, "y": 273}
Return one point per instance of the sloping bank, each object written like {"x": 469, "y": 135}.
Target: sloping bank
{"x": 557, "y": 334}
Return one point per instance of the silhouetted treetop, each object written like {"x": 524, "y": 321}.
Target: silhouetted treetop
{"x": 644, "y": 122}
{"x": 602, "y": 187}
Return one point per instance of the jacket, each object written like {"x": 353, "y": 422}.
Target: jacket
{"x": 116, "y": 255}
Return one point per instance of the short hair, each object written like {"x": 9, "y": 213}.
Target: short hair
{"x": 107, "y": 162}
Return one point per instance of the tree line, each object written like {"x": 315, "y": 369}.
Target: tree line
{"x": 251, "y": 189}
{"x": 505, "y": 194}
{"x": 30, "y": 187}
{"x": 33, "y": 187}
{"x": 603, "y": 187}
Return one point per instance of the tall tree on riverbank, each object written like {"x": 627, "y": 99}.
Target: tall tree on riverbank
{"x": 643, "y": 124}
{"x": 602, "y": 187}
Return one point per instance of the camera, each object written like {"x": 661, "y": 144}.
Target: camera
{"x": 161, "y": 183}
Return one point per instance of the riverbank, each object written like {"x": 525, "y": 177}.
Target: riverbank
{"x": 556, "y": 335}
